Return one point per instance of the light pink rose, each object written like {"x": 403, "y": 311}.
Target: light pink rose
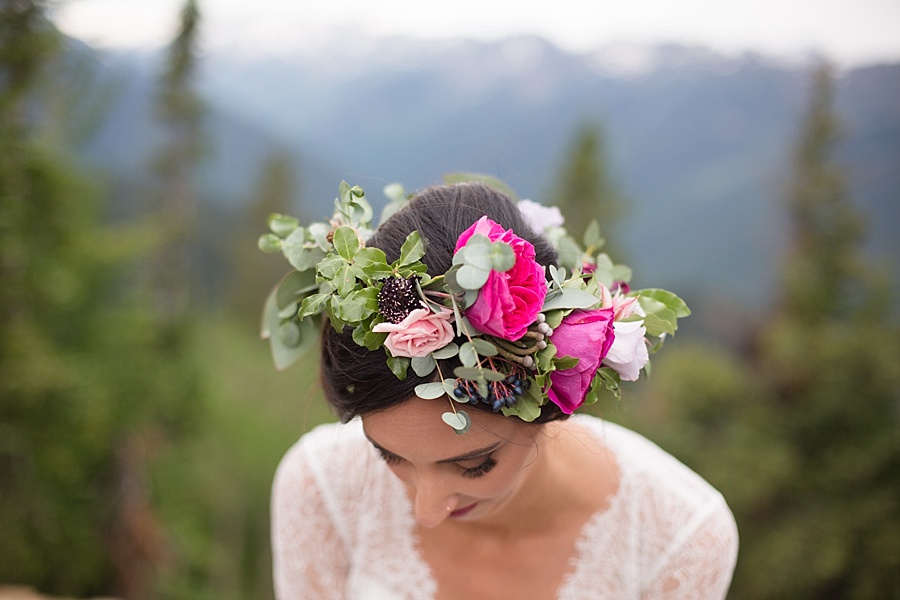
{"x": 586, "y": 335}
{"x": 629, "y": 353}
{"x": 419, "y": 334}
{"x": 509, "y": 302}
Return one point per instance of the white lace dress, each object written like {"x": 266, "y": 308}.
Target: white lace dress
{"x": 342, "y": 527}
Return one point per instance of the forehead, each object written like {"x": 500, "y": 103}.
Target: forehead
{"x": 414, "y": 430}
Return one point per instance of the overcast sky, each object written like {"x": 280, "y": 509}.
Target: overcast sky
{"x": 848, "y": 31}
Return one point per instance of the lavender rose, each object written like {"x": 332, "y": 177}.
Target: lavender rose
{"x": 586, "y": 335}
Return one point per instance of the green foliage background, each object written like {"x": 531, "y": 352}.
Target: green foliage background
{"x": 141, "y": 420}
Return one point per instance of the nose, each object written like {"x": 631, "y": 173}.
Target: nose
{"x": 433, "y": 501}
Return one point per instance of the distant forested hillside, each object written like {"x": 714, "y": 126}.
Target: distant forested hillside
{"x": 698, "y": 142}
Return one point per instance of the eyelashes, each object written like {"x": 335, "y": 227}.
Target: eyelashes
{"x": 388, "y": 457}
{"x": 469, "y": 472}
{"x": 483, "y": 469}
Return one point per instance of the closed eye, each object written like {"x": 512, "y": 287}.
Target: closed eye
{"x": 388, "y": 457}
{"x": 480, "y": 470}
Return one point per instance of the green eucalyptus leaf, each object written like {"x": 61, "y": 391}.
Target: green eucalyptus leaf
{"x": 450, "y": 282}
{"x": 344, "y": 193}
{"x": 288, "y": 311}
{"x": 459, "y": 421}
{"x": 303, "y": 258}
{"x": 313, "y": 305}
{"x": 666, "y": 298}
{"x": 484, "y": 347}
{"x": 369, "y": 257}
{"x": 472, "y": 278}
{"x": 376, "y": 272}
{"x": 345, "y": 280}
{"x": 270, "y": 243}
{"x": 476, "y": 255}
{"x": 492, "y": 375}
{"x": 661, "y": 322}
{"x": 557, "y": 274}
{"x": 412, "y": 250}
{"x": 329, "y": 266}
{"x": 569, "y": 298}
{"x": 319, "y": 233}
{"x": 554, "y": 317}
{"x": 296, "y": 238}
{"x": 477, "y": 239}
{"x": 603, "y": 270}
{"x": 503, "y": 258}
{"x": 430, "y": 391}
{"x": 282, "y": 225}
{"x": 468, "y": 355}
{"x": 282, "y": 355}
{"x": 358, "y": 305}
{"x": 398, "y": 366}
{"x": 423, "y": 365}
{"x": 293, "y": 286}
{"x": 448, "y": 351}
{"x": 607, "y": 379}
{"x": 470, "y": 373}
{"x": 346, "y": 242}
{"x": 332, "y": 309}
{"x": 565, "y": 362}
{"x": 450, "y": 388}
{"x": 289, "y": 334}
{"x": 365, "y": 337}
{"x": 571, "y": 255}
{"x": 545, "y": 356}
{"x": 526, "y": 408}
{"x": 592, "y": 238}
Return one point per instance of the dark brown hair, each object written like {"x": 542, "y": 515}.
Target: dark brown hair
{"x": 358, "y": 381}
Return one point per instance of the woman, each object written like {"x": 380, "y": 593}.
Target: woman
{"x": 515, "y": 499}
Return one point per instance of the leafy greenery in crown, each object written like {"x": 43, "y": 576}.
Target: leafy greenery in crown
{"x": 335, "y": 274}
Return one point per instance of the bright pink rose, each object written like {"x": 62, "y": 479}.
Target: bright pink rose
{"x": 419, "y": 334}
{"x": 509, "y": 302}
{"x": 586, "y": 335}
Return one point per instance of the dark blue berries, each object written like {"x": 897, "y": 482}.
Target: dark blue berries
{"x": 501, "y": 394}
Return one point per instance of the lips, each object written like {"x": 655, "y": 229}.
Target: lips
{"x": 461, "y": 512}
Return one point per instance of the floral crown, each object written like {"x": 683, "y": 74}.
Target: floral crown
{"x": 532, "y": 335}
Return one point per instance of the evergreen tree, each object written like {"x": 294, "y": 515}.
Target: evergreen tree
{"x": 800, "y": 434}
{"x": 253, "y": 273}
{"x": 75, "y": 374}
{"x": 831, "y": 363}
{"x": 585, "y": 189}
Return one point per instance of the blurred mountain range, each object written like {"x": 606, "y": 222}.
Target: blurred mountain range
{"x": 699, "y": 143}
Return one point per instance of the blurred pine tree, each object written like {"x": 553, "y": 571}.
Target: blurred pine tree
{"x": 585, "y": 189}
{"x": 800, "y": 431}
{"x": 92, "y": 385}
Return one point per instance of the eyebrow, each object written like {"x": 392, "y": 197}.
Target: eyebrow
{"x": 462, "y": 457}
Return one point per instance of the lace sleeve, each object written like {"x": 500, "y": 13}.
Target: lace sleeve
{"x": 700, "y": 565}
{"x": 309, "y": 560}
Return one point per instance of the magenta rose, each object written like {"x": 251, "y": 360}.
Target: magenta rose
{"x": 586, "y": 335}
{"x": 419, "y": 334}
{"x": 509, "y": 302}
